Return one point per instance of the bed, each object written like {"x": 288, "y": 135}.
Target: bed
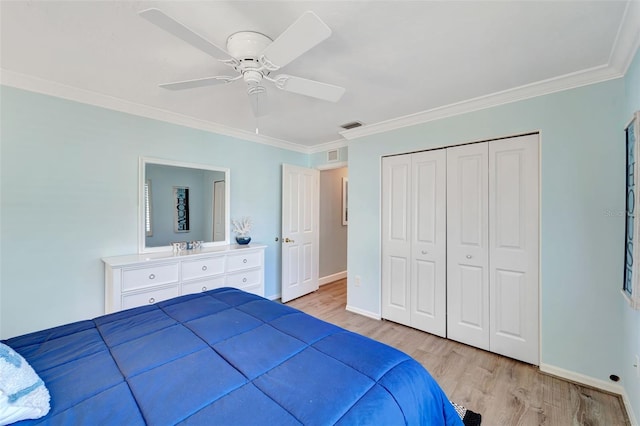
{"x": 226, "y": 357}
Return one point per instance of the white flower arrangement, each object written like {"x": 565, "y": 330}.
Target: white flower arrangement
{"x": 242, "y": 227}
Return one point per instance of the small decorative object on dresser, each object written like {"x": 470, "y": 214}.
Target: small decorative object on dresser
{"x": 242, "y": 228}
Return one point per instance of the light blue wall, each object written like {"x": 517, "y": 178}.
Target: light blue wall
{"x": 631, "y": 324}
{"x": 68, "y": 197}
{"x": 582, "y": 182}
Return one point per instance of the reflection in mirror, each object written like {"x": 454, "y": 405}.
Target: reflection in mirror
{"x": 182, "y": 202}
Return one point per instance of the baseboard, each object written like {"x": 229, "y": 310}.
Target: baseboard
{"x": 582, "y": 379}
{"x": 363, "y": 312}
{"x": 595, "y": 383}
{"x": 274, "y": 297}
{"x": 333, "y": 277}
{"x": 627, "y": 405}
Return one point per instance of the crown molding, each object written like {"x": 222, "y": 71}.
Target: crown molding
{"x": 627, "y": 40}
{"x": 337, "y": 144}
{"x": 47, "y": 87}
{"x": 545, "y": 87}
{"x": 625, "y": 46}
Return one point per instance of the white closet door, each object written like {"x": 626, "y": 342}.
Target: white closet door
{"x": 468, "y": 245}
{"x": 429, "y": 245}
{"x": 396, "y": 238}
{"x": 513, "y": 254}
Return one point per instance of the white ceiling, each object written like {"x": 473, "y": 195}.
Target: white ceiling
{"x": 402, "y": 61}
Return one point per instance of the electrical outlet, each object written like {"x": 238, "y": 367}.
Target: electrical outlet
{"x": 356, "y": 281}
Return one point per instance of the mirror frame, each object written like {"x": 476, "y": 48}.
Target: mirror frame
{"x": 142, "y": 247}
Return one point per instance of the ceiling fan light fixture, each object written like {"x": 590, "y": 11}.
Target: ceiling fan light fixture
{"x": 252, "y": 77}
{"x": 254, "y": 56}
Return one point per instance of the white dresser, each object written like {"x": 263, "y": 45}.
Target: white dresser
{"x": 141, "y": 279}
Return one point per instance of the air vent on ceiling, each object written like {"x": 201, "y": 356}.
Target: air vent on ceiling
{"x": 352, "y": 125}
{"x": 332, "y": 155}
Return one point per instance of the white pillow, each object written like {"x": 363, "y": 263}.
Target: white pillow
{"x": 22, "y": 393}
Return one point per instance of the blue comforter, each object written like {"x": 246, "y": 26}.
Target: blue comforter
{"x": 226, "y": 357}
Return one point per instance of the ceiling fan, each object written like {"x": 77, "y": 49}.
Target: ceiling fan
{"x": 255, "y": 56}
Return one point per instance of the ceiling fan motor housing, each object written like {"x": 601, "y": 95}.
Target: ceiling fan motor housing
{"x": 246, "y": 46}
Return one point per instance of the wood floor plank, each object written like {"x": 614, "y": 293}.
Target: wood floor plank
{"x": 503, "y": 390}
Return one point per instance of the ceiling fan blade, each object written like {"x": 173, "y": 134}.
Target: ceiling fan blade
{"x": 302, "y": 35}
{"x": 315, "y": 89}
{"x": 258, "y": 100}
{"x": 170, "y": 25}
{"x": 198, "y": 82}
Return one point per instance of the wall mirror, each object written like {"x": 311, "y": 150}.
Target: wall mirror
{"x": 182, "y": 202}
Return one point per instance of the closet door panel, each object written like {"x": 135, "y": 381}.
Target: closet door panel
{"x": 513, "y": 224}
{"x": 396, "y": 240}
{"x": 429, "y": 246}
{"x": 467, "y": 245}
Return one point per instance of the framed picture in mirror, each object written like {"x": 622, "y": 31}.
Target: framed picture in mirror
{"x": 181, "y": 197}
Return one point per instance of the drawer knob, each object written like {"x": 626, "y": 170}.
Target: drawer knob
{"x": 244, "y": 260}
{"x": 204, "y": 268}
{"x": 152, "y": 300}
{"x": 244, "y": 280}
{"x": 152, "y": 276}
{"x": 204, "y": 289}
{"x": 424, "y": 252}
{"x": 469, "y": 256}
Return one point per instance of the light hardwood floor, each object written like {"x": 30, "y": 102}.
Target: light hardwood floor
{"x": 504, "y": 391}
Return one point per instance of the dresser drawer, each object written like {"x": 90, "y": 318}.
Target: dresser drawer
{"x": 245, "y": 279}
{"x": 237, "y": 262}
{"x": 149, "y": 297}
{"x": 203, "y": 285}
{"x": 149, "y": 276}
{"x": 200, "y": 268}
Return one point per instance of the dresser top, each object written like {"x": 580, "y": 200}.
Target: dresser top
{"x": 116, "y": 261}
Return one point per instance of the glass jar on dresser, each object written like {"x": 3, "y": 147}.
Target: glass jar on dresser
{"x": 140, "y": 279}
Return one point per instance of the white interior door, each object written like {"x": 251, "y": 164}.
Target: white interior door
{"x": 219, "y": 225}
{"x": 300, "y": 231}
{"x": 513, "y": 254}
{"x": 396, "y": 238}
{"x": 429, "y": 245}
{"x": 468, "y": 245}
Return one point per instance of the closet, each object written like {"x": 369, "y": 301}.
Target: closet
{"x": 460, "y": 244}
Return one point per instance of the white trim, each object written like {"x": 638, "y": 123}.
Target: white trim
{"x": 333, "y": 277}
{"x": 595, "y": 383}
{"x": 581, "y": 378}
{"x": 331, "y": 166}
{"x": 328, "y": 146}
{"x": 46, "y": 87}
{"x": 544, "y": 87}
{"x": 363, "y": 312}
{"x": 276, "y": 296}
{"x": 629, "y": 409}
{"x": 142, "y": 164}
{"x": 627, "y": 40}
